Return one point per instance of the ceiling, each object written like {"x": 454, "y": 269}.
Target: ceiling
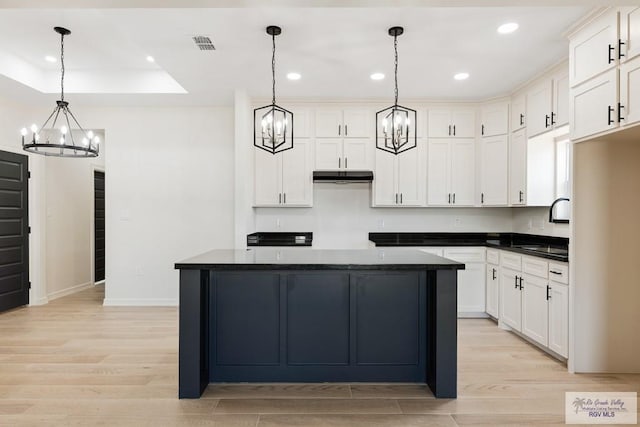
{"x": 335, "y": 49}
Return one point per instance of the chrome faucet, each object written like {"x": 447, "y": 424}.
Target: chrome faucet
{"x": 551, "y": 218}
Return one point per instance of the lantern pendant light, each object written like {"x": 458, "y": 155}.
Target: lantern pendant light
{"x": 272, "y": 124}
{"x": 396, "y": 125}
{"x": 57, "y": 139}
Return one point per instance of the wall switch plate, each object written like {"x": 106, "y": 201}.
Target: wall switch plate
{"x": 278, "y": 223}
{"x": 381, "y": 224}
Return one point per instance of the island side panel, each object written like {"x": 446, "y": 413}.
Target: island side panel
{"x": 193, "y": 334}
{"x": 442, "y": 362}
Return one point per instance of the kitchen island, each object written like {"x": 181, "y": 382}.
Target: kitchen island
{"x": 304, "y": 315}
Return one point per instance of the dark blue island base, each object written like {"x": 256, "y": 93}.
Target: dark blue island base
{"x": 267, "y": 315}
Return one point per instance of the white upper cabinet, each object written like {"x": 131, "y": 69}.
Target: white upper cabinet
{"x": 347, "y": 123}
{"x": 595, "y": 105}
{"x": 328, "y": 153}
{"x": 518, "y": 112}
{"x": 302, "y": 123}
{"x": 539, "y": 107}
{"x": 357, "y": 153}
{"x": 494, "y": 171}
{"x": 518, "y": 168}
{"x": 284, "y": 179}
{"x": 494, "y": 119}
{"x": 630, "y": 92}
{"x": 560, "y": 112}
{"x": 630, "y": 32}
{"x": 594, "y": 49}
{"x": 451, "y": 172}
{"x": 451, "y": 123}
{"x": 399, "y": 180}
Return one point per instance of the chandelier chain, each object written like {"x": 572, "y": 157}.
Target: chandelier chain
{"x": 273, "y": 68}
{"x": 62, "y": 67}
{"x": 395, "y": 47}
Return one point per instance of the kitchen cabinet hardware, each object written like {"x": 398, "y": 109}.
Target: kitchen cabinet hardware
{"x": 449, "y": 198}
{"x": 521, "y": 198}
{"x": 548, "y": 292}
{"x": 449, "y": 130}
{"x": 555, "y": 272}
{"x": 400, "y": 198}
{"x": 346, "y": 160}
{"x": 620, "y": 44}
{"x": 516, "y": 282}
{"x": 611, "y": 50}
{"x": 339, "y": 162}
{"x": 454, "y": 130}
{"x": 610, "y": 110}
{"x": 494, "y": 273}
{"x": 346, "y": 130}
{"x": 339, "y": 129}
{"x": 454, "y": 198}
{"x": 481, "y": 198}
{"x": 521, "y": 280}
{"x": 521, "y": 119}
{"x": 553, "y": 118}
{"x": 620, "y": 108}
{"x": 396, "y": 198}
{"x": 482, "y": 130}
{"x": 280, "y": 198}
{"x": 546, "y": 121}
{"x": 284, "y": 198}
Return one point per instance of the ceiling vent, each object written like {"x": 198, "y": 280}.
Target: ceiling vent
{"x": 203, "y": 43}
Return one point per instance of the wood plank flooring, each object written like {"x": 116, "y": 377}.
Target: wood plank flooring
{"x": 74, "y": 362}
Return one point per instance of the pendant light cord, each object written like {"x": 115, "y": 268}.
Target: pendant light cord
{"x": 273, "y": 69}
{"x": 62, "y": 66}
{"x": 395, "y": 47}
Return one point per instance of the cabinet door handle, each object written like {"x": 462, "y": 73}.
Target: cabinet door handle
{"x": 548, "y": 292}
{"x": 454, "y": 130}
{"x": 339, "y": 162}
{"x": 346, "y": 160}
{"x": 610, "y": 57}
{"x": 454, "y": 198}
{"x": 620, "y": 108}
{"x": 449, "y": 130}
{"x": 339, "y": 129}
{"x": 493, "y": 274}
{"x": 396, "y": 198}
{"x": 346, "y": 130}
{"x": 521, "y": 196}
{"x": 482, "y": 130}
{"x": 546, "y": 121}
{"x": 516, "y": 281}
{"x": 555, "y": 272}
{"x": 521, "y": 119}
{"x": 449, "y": 198}
{"x": 284, "y": 198}
{"x": 610, "y": 110}
{"x": 279, "y": 198}
{"x": 521, "y": 279}
{"x": 620, "y": 44}
{"x": 553, "y": 118}
{"x": 482, "y": 198}
{"x": 400, "y": 198}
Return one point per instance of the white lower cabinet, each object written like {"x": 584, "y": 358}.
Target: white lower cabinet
{"x": 471, "y": 280}
{"x": 534, "y": 299}
{"x": 492, "y": 290}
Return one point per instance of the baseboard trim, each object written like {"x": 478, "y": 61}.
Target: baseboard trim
{"x": 72, "y": 290}
{"x": 472, "y": 315}
{"x": 39, "y": 301}
{"x": 140, "y": 302}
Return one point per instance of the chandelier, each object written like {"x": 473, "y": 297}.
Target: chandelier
{"x": 396, "y": 125}
{"x": 57, "y": 138}
{"x": 272, "y": 124}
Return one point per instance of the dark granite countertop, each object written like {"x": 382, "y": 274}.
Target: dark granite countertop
{"x": 554, "y": 248}
{"x": 314, "y": 259}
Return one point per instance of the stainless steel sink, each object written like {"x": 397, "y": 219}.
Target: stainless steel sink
{"x": 543, "y": 249}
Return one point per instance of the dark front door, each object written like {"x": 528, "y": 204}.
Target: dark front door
{"x": 14, "y": 230}
{"x": 98, "y": 180}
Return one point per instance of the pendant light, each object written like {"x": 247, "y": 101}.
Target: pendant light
{"x": 57, "y": 139}
{"x": 272, "y": 124}
{"x": 396, "y": 125}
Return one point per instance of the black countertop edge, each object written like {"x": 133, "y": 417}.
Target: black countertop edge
{"x": 502, "y": 241}
{"x": 288, "y": 267}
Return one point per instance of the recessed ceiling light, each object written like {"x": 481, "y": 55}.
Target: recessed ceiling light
{"x": 294, "y": 76}
{"x": 50, "y": 58}
{"x": 461, "y": 76}
{"x": 377, "y": 76}
{"x": 150, "y": 58}
{"x": 508, "y": 28}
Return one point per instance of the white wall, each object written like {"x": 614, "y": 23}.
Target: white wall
{"x": 69, "y": 224}
{"x": 342, "y": 217}
{"x": 169, "y": 195}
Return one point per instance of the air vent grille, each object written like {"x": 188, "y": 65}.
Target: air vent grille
{"x": 203, "y": 43}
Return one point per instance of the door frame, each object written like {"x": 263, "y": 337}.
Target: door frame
{"x": 92, "y": 222}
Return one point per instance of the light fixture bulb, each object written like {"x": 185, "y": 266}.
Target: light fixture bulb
{"x": 97, "y": 139}
{"x": 377, "y": 76}
{"x": 23, "y": 131}
{"x": 50, "y": 58}
{"x": 63, "y": 130}
{"x": 150, "y": 59}
{"x": 294, "y": 76}
{"x": 85, "y": 141}
{"x": 34, "y": 128}
{"x": 461, "y": 76}
{"x": 62, "y": 140}
{"x": 507, "y": 28}
{"x": 90, "y": 134}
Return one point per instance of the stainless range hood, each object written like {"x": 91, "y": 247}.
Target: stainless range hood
{"x": 342, "y": 177}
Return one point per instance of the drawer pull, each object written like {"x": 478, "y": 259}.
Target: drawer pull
{"x": 555, "y": 272}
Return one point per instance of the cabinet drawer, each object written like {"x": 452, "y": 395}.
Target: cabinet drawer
{"x": 559, "y": 272}
{"x": 535, "y": 267}
{"x": 493, "y": 256}
{"x": 465, "y": 254}
{"x": 512, "y": 261}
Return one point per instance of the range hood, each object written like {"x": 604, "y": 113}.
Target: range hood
{"x": 342, "y": 177}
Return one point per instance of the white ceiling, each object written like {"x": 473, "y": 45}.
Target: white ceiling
{"x": 335, "y": 50}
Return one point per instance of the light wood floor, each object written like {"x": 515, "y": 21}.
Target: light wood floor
{"x": 75, "y": 362}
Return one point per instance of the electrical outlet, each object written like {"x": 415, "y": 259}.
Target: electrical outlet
{"x": 278, "y": 224}
{"x": 381, "y": 224}
{"x": 530, "y": 224}
{"x": 457, "y": 221}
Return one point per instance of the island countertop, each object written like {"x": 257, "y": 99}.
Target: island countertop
{"x": 317, "y": 259}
